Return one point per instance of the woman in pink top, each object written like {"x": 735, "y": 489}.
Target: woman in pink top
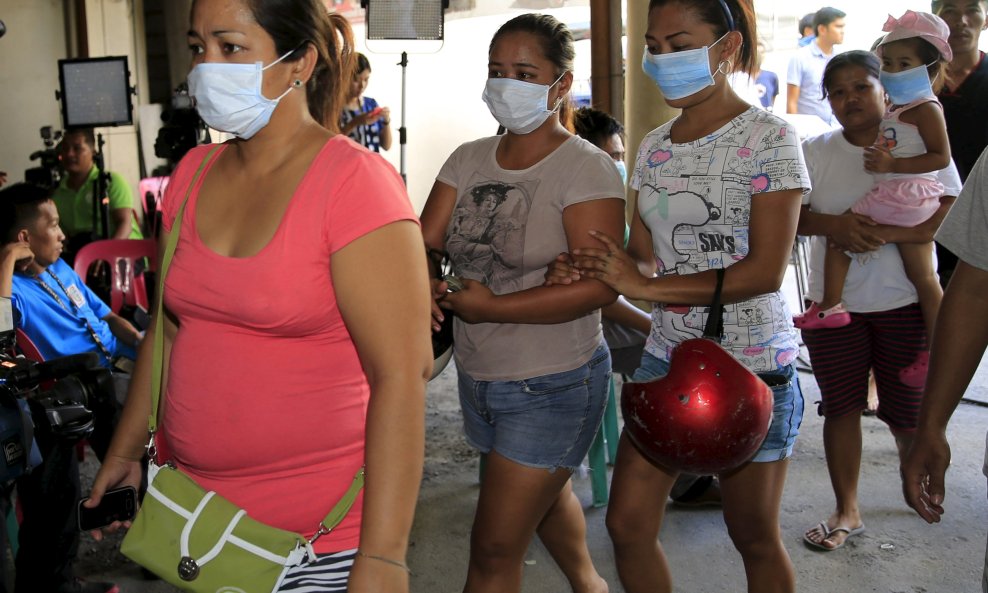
{"x": 297, "y": 302}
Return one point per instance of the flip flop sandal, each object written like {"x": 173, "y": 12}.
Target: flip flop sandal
{"x": 827, "y": 532}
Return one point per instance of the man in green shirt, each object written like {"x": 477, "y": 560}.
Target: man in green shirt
{"x": 74, "y": 195}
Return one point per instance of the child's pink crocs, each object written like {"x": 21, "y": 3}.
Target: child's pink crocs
{"x": 817, "y": 318}
{"x": 914, "y": 375}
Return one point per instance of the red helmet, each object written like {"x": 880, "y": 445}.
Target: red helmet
{"x": 709, "y": 415}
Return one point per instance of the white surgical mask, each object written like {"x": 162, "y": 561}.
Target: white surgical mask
{"x": 519, "y": 106}
{"x": 228, "y": 96}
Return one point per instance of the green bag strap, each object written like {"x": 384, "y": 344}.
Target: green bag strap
{"x": 342, "y": 507}
{"x": 157, "y": 366}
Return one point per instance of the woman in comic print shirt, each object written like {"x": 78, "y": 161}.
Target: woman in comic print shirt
{"x": 718, "y": 187}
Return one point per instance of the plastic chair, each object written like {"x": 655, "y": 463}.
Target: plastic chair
{"x": 151, "y": 190}
{"x": 27, "y": 347}
{"x": 800, "y": 260}
{"x": 124, "y": 256}
{"x": 606, "y": 441}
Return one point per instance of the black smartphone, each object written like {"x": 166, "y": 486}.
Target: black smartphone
{"x": 119, "y": 504}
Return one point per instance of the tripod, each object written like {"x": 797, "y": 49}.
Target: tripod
{"x": 402, "y": 131}
{"x": 101, "y": 199}
{"x": 405, "y": 20}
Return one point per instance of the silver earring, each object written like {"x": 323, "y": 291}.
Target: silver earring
{"x": 296, "y": 83}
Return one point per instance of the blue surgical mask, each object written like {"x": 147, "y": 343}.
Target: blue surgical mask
{"x": 682, "y": 73}
{"x": 228, "y": 96}
{"x": 623, "y": 170}
{"x": 907, "y": 86}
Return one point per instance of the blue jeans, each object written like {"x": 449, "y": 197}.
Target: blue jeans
{"x": 545, "y": 422}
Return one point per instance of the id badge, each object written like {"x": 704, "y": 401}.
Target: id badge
{"x": 75, "y": 295}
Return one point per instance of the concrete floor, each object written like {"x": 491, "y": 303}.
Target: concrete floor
{"x": 898, "y": 554}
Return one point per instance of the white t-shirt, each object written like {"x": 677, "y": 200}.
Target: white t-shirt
{"x": 506, "y": 228}
{"x": 695, "y": 198}
{"x": 876, "y": 280}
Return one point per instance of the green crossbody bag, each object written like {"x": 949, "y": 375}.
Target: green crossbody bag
{"x": 198, "y": 540}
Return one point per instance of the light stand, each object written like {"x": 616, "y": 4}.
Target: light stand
{"x": 101, "y": 199}
{"x": 402, "y": 131}
{"x": 405, "y": 20}
{"x": 95, "y": 92}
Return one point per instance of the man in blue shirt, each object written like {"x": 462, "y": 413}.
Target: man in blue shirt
{"x": 804, "y": 79}
{"x": 61, "y": 316}
{"x": 806, "y": 33}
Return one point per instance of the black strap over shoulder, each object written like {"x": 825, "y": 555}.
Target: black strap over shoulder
{"x": 714, "y": 329}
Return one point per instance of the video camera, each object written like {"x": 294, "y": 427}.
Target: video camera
{"x": 49, "y": 172}
{"x": 61, "y": 397}
{"x": 182, "y": 129}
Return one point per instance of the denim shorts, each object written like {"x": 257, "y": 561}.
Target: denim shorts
{"x": 787, "y": 414}
{"x": 545, "y": 422}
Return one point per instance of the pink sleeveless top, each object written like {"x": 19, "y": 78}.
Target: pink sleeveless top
{"x": 266, "y": 400}
{"x": 902, "y": 199}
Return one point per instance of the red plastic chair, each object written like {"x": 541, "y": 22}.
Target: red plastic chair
{"x": 154, "y": 186}
{"x": 124, "y": 257}
{"x": 151, "y": 190}
{"x": 27, "y": 347}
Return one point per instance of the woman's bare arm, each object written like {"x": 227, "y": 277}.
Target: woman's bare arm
{"x": 121, "y": 465}
{"x": 771, "y": 232}
{"x": 548, "y": 304}
{"x": 851, "y": 232}
{"x": 387, "y": 315}
{"x": 640, "y": 241}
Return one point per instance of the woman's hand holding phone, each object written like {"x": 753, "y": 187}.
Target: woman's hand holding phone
{"x": 115, "y": 473}
{"x": 119, "y": 504}
{"x": 378, "y": 113}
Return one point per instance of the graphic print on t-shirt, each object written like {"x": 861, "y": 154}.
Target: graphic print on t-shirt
{"x": 487, "y": 233}
{"x": 695, "y": 198}
{"x": 710, "y": 214}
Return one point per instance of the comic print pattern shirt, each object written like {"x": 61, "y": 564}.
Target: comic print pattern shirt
{"x": 695, "y": 198}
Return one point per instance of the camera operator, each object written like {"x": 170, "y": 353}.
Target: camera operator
{"x": 53, "y": 306}
{"x": 74, "y": 195}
